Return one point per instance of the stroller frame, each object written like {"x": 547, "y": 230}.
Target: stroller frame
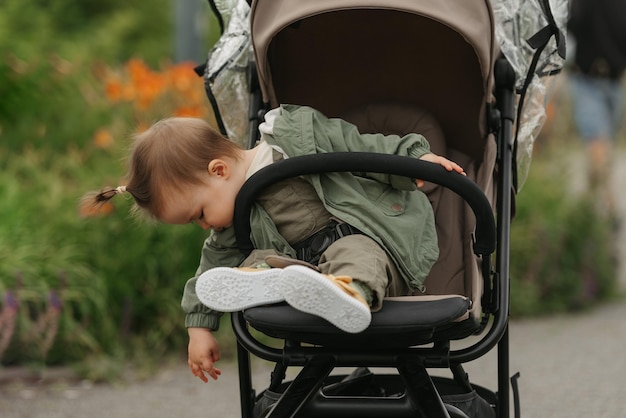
{"x": 303, "y": 396}
{"x": 415, "y": 392}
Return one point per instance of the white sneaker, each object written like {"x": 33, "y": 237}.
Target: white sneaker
{"x": 228, "y": 289}
{"x": 326, "y": 296}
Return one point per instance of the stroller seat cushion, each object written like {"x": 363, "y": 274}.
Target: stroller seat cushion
{"x": 401, "y": 321}
{"x": 400, "y": 119}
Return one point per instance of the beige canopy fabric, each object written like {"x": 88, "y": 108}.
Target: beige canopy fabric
{"x": 339, "y": 55}
{"x": 471, "y": 18}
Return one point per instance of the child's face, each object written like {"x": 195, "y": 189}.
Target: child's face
{"x": 210, "y": 204}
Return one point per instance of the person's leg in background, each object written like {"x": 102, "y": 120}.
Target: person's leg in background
{"x": 598, "y": 108}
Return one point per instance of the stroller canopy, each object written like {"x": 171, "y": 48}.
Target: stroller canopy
{"x": 472, "y": 19}
{"x": 515, "y": 24}
{"x": 336, "y": 56}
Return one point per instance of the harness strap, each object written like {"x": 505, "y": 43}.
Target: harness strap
{"x": 312, "y": 248}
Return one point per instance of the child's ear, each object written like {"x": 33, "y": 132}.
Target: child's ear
{"x": 219, "y": 168}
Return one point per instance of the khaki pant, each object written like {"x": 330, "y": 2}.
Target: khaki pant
{"x": 298, "y": 213}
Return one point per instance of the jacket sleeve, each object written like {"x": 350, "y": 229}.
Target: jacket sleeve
{"x": 344, "y": 136}
{"x": 219, "y": 250}
{"x": 301, "y": 130}
{"x": 412, "y": 145}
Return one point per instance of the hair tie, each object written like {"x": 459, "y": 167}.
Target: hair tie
{"x": 120, "y": 189}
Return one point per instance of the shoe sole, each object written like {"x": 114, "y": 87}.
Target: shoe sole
{"x": 310, "y": 292}
{"x": 230, "y": 290}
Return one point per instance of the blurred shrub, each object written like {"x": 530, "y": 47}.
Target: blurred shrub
{"x": 91, "y": 286}
{"x": 52, "y": 61}
{"x": 109, "y": 30}
{"x": 84, "y": 286}
{"x": 97, "y": 288}
{"x": 174, "y": 90}
{"x": 562, "y": 247}
{"x": 50, "y": 102}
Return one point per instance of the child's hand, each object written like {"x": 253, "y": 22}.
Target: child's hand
{"x": 203, "y": 352}
{"x": 443, "y": 161}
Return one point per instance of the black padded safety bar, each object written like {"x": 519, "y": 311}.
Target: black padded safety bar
{"x": 485, "y": 233}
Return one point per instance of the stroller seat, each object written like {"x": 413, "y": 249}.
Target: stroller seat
{"x": 399, "y": 324}
{"x": 446, "y": 311}
{"x": 449, "y": 310}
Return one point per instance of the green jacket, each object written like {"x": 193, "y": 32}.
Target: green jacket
{"x": 385, "y": 207}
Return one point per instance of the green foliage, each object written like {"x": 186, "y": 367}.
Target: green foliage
{"x": 44, "y": 104}
{"x": 52, "y": 57}
{"x": 562, "y": 247}
{"x": 115, "y": 276}
{"x": 109, "y": 30}
{"x": 102, "y": 290}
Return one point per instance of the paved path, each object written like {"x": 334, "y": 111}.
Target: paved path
{"x": 570, "y": 366}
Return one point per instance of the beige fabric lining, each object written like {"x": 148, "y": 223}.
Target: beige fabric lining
{"x": 325, "y": 54}
{"x": 457, "y": 271}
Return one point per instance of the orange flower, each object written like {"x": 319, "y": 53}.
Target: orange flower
{"x": 149, "y": 88}
{"x": 103, "y": 138}
{"x": 189, "y": 111}
{"x": 89, "y": 210}
{"x": 172, "y": 89}
{"x": 183, "y": 77}
{"x": 114, "y": 90}
{"x": 196, "y": 96}
{"x": 137, "y": 70}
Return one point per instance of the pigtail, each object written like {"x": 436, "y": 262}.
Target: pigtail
{"x": 170, "y": 154}
{"x": 97, "y": 203}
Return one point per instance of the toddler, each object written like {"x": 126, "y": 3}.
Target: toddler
{"x": 333, "y": 245}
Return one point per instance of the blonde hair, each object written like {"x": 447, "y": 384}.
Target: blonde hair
{"x": 171, "y": 153}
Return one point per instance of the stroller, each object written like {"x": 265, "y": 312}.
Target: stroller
{"x": 433, "y": 67}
